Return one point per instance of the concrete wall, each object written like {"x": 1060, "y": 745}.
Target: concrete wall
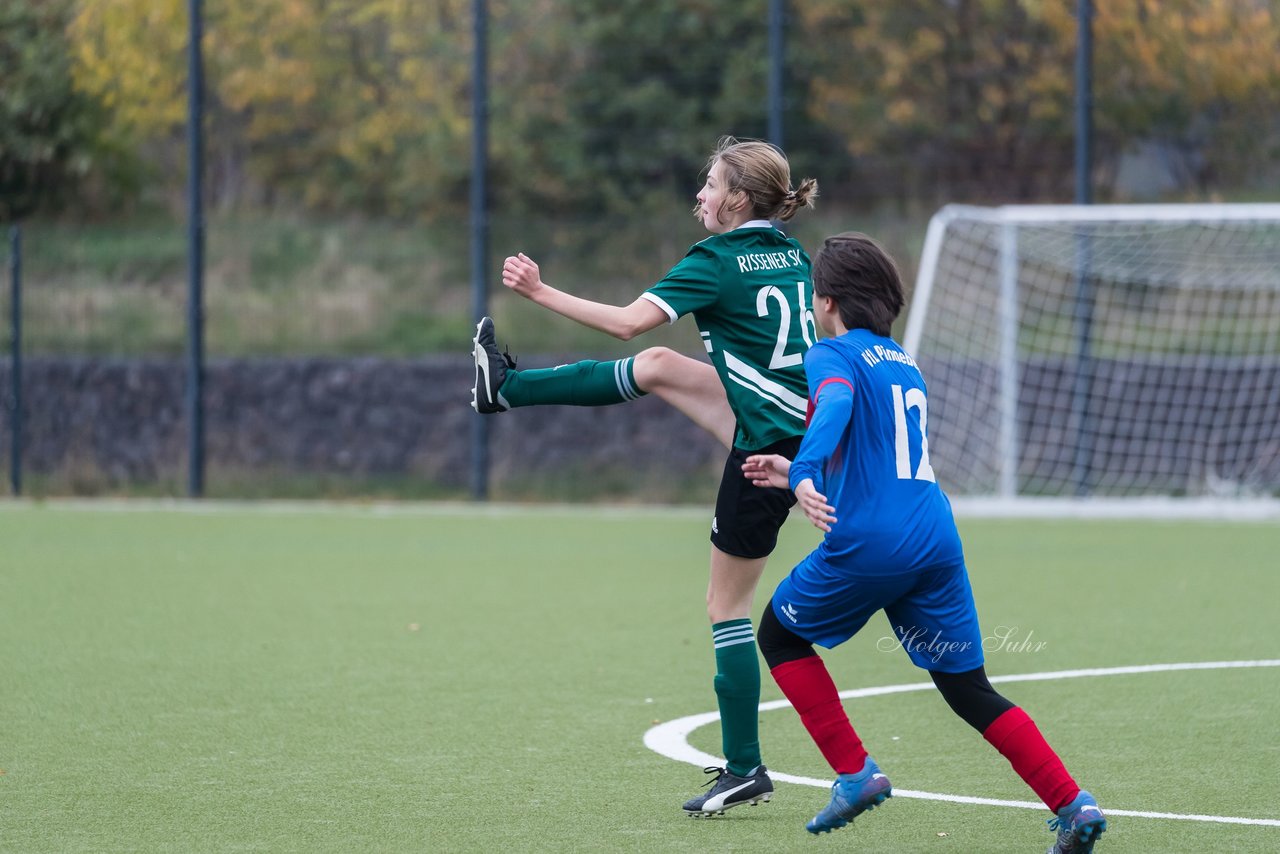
{"x": 1163, "y": 426}
{"x": 123, "y": 421}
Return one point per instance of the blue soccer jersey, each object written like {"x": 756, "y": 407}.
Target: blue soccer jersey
{"x": 894, "y": 545}
{"x": 867, "y": 451}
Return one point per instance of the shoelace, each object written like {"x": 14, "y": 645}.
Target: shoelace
{"x": 1060, "y": 824}
{"x": 712, "y": 769}
{"x": 506, "y": 354}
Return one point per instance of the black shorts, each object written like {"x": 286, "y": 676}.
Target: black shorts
{"x": 748, "y": 517}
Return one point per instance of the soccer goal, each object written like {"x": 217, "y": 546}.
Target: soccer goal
{"x": 1103, "y": 352}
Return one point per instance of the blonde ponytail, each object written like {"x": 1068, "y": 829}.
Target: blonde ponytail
{"x": 760, "y": 171}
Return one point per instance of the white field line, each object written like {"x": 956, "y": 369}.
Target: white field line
{"x": 671, "y": 739}
{"x": 390, "y": 509}
{"x": 1157, "y": 509}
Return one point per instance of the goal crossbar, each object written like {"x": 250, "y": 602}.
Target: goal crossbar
{"x": 1014, "y": 215}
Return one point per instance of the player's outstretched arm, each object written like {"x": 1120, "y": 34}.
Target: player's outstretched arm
{"x": 815, "y": 506}
{"x": 773, "y": 470}
{"x": 520, "y": 273}
{"x": 767, "y": 470}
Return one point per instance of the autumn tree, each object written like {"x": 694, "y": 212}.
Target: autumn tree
{"x": 329, "y": 103}
{"x": 364, "y": 105}
{"x": 51, "y": 136}
{"x": 1201, "y": 77}
{"x": 975, "y": 98}
{"x": 942, "y": 98}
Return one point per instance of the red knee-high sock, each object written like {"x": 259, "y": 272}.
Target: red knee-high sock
{"x": 808, "y": 686}
{"x": 1018, "y": 739}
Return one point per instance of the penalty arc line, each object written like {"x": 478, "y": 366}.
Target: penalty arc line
{"x": 671, "y": 739}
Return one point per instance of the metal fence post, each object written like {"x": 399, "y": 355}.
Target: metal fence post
{"x": 1084, "y": 295}
{"x": 480, "y": 224}
{"x": 777, "y": 65}
{"x": 195, "y": 254}
{"x": 15, "y": 362}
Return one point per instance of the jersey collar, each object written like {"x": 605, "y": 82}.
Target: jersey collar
{"x": 755, "y": 223}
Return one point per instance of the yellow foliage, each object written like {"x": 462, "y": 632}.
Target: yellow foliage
{"x": 366, "y": 77}
{"x": 901, "y": 111}
{"x": 379, "y": 89}
{"x": 1011, "y": 63}
{"x": 131, "y": 54}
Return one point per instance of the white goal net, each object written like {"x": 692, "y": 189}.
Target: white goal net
{"x": 1108, "y": 351}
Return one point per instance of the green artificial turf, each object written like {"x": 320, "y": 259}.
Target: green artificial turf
{"x": 459, "y": 678}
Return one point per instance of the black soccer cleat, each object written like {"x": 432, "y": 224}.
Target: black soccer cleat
{"x": 729, "y": 790}
{"x": 491, "y": 370}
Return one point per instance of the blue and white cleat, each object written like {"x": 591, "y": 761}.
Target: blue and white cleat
{"x": 851, "y": 796}
{"x": 1079, "y": 824}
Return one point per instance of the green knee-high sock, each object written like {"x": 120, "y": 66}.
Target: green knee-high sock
{"x": 588, "y": 383}
{"x": 738, "y": 691}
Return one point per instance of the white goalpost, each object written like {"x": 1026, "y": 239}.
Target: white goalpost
{"x": 1103, "y": 359}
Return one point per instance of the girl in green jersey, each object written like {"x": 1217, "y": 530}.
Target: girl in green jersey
{"x": 749, "y": 288}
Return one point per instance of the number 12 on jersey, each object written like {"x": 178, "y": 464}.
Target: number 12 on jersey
{"x": 912, "y": 398}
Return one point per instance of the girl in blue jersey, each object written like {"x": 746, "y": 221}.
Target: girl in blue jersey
{"x": 863, "y": 476}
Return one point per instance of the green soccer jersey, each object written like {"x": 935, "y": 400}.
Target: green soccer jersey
{"x": 750, "y": 291}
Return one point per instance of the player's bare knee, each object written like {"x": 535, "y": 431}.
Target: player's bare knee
{"x": 722, "y": 608}
{"x": 653, "y": 366}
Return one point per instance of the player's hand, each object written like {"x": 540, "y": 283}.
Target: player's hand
{"x": 767, "y": 470}
{"x": 815, "y": 506}
{"x": 520, "y": 273}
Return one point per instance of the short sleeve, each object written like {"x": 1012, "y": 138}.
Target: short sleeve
{"x": 693, "y": 284}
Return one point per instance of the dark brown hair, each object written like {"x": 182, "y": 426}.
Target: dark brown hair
{"x": 862, "y": 278}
